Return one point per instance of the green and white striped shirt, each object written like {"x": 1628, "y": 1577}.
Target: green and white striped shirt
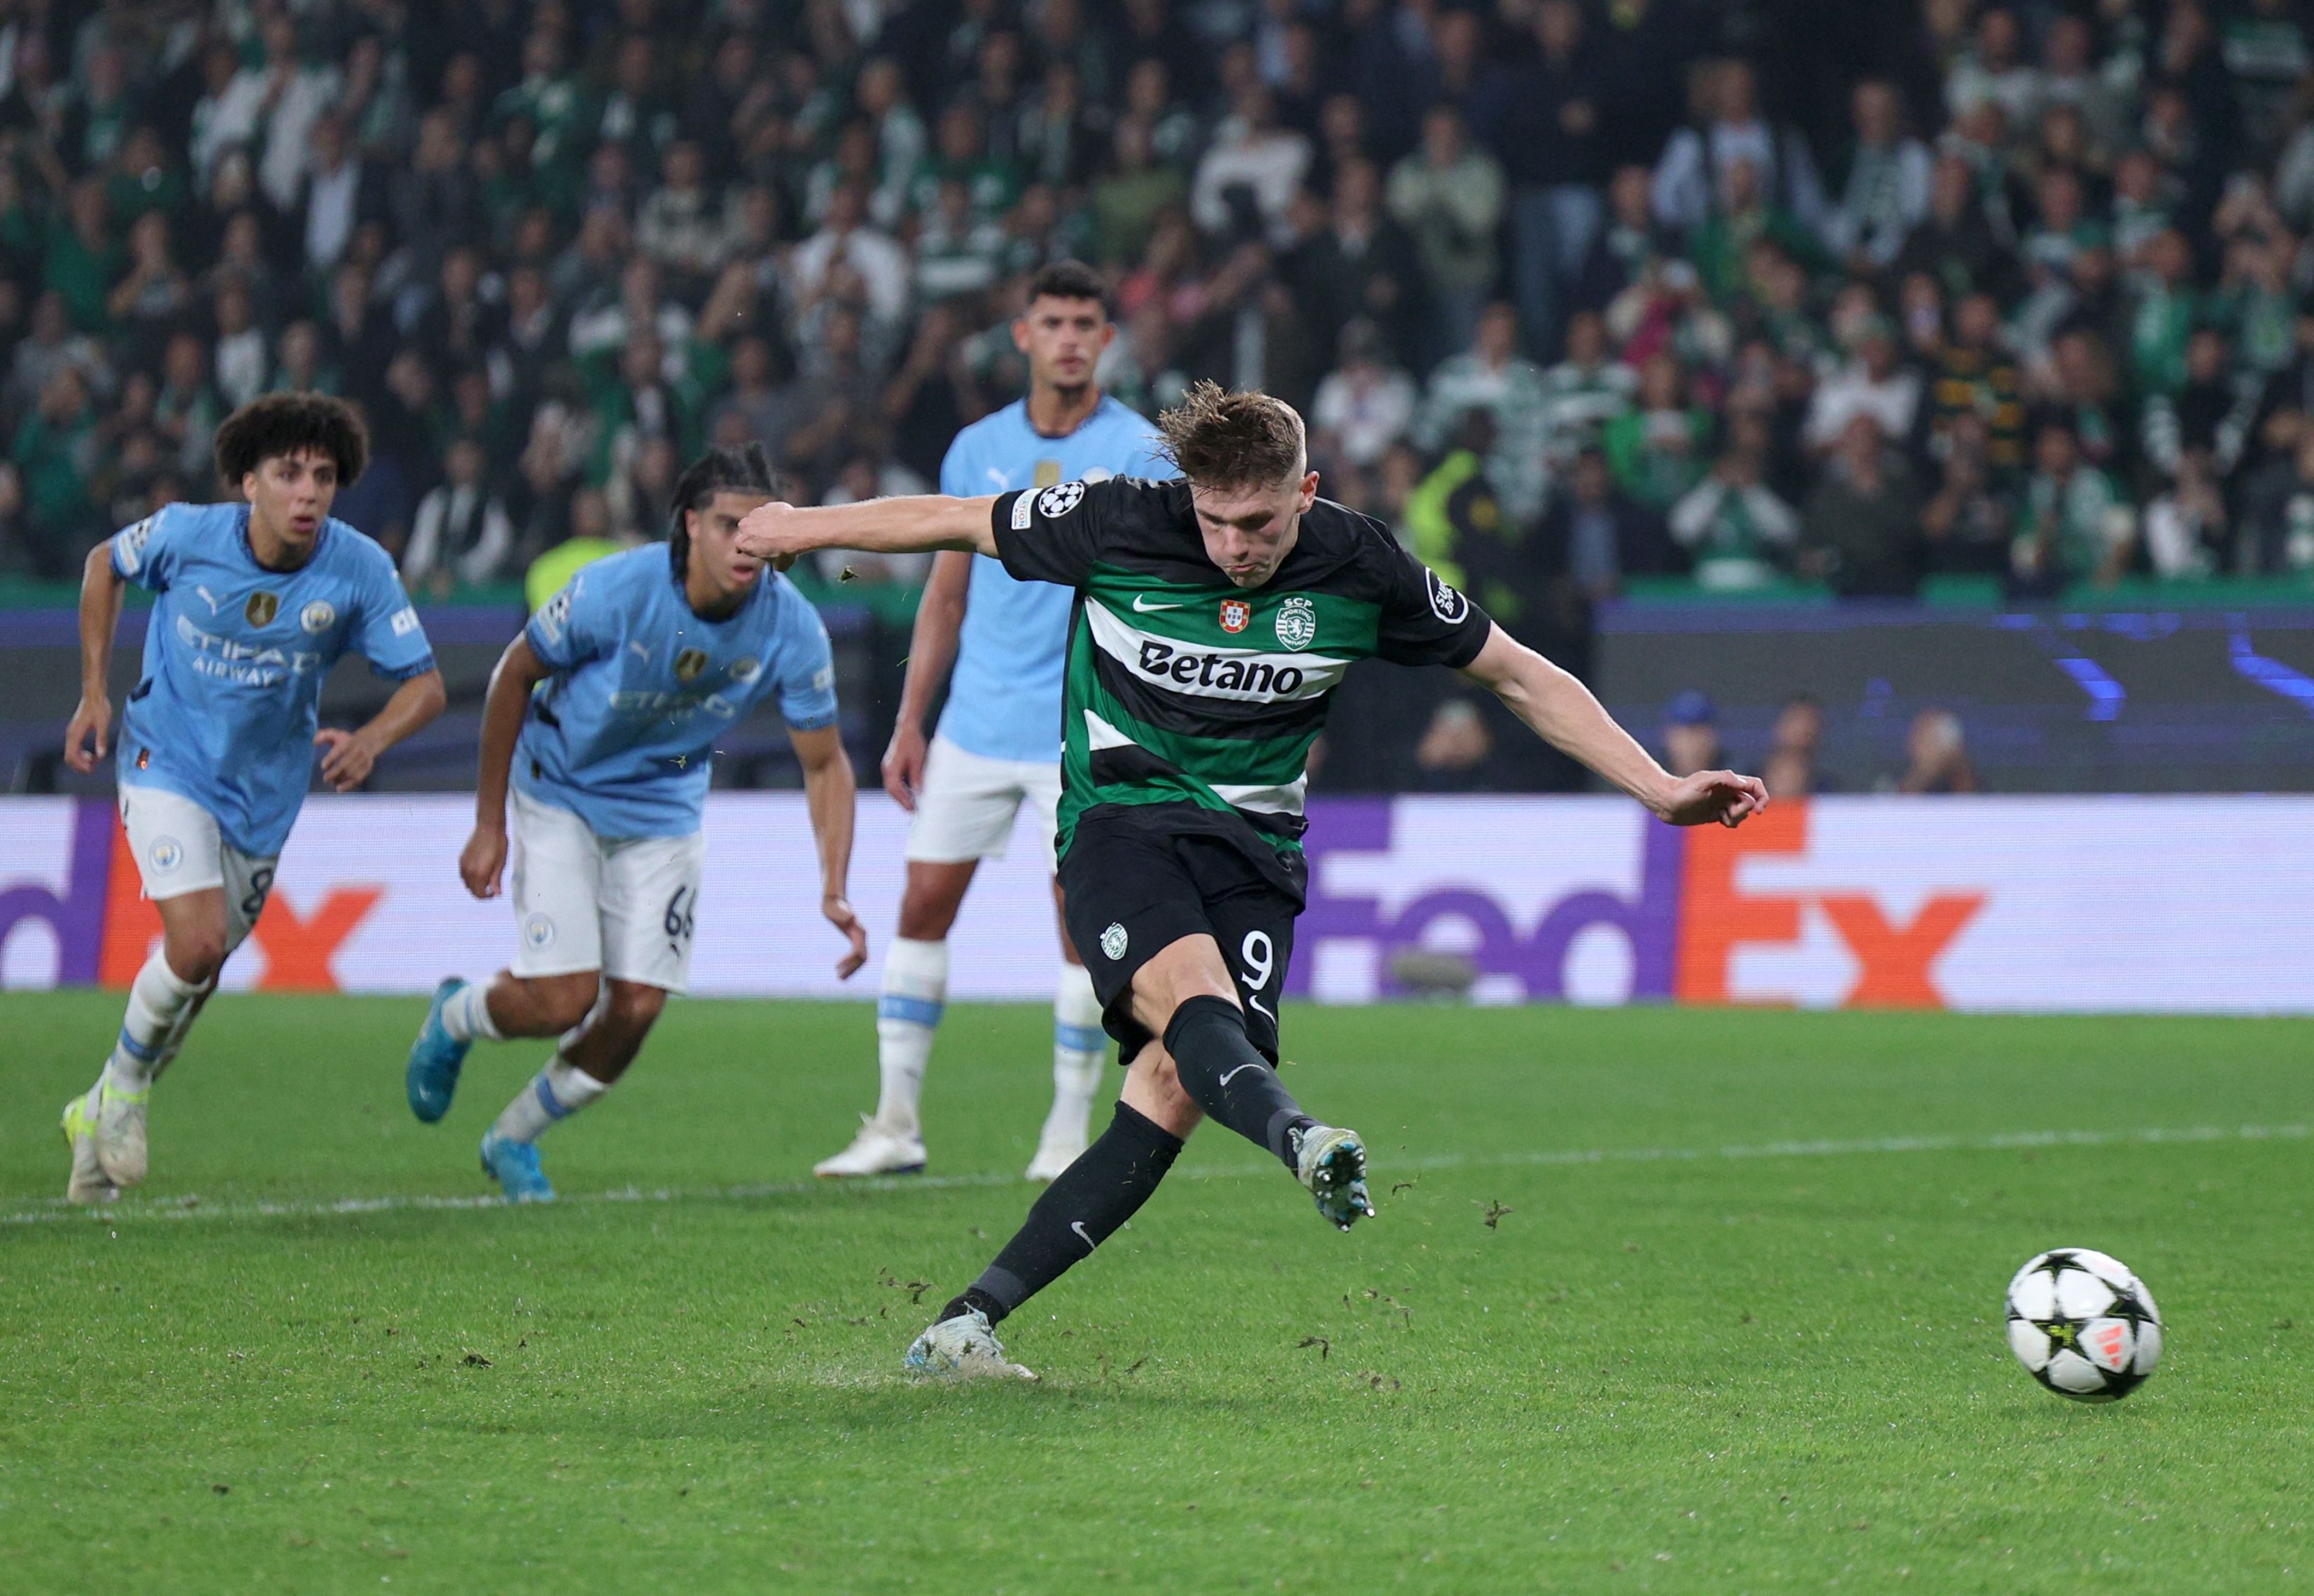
{"x": 1190, "y": 698}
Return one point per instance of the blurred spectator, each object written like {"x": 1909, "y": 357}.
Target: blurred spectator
{"x": 55, "y": 455}
{"x": 1657, "y": 447}
{"x": 1695, "y": 164}
{"x": 1362, "y": 263}
{"x": 1491, "y": 375}
{"x": 1886, "y": 193}
{"x": 1597, "y": 535}
{"x": 1365, "y": 404}
{"x": 1544, "y": 126}
{"x": 2074, "y": 524}
{"x": 1583, "y": 393}
{"x": 1938, "y": 756}
{"x": 2278, "y": 530}
{"x": 1449, "y": 197}
{"x": 462, "y": 530}
{"x": 1791, "y": 770}
{"x": 2187, "y": 528}
{"x": 1734, "y": 527}
{"x": 1872, "y": 385}
{"x": 1690, "y": 736}
{"x": 1861, "y": 534}
{"x": 1967, "y": 527}
{"x": 1974, "y": 377}
{"x": 1247, "y": 179}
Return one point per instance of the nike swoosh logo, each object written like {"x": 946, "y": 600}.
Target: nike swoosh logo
{"x": 1078, "y": 1226}
{"x": 1265, "y": 1014}
{"x": 1241, "y": 1070}
{"x": 1141, "y": 606}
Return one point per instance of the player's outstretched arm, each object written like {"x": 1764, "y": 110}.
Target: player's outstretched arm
{"x": 932, "y": 651}
{"x": 100, "y": 616}
{"x": 1564, "y": 713}
{"x": 348, "y": 756}
{"x": 828, "y": 793}
{"x": 482, "y": 862}
{"x": 914, "y": 524}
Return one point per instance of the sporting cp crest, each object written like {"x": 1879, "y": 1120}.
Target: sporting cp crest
{"x": 1236, "y": 614}
{"x": 1297, "y": 622}
{"x": 262, "y": 608}
{"x": 689, "y": 663}
{"x": 1112, "y": 941}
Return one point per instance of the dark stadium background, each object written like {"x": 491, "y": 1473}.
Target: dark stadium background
{"x": 553, "y": 247}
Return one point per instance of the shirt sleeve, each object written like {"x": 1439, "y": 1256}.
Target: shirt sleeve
{"x": 956, "y": 470}
{"x": 388, "y": 633}
{"x": 1052, "y": 535}
{"x": 1424, "y": 620}
{"x": 807, "y": 681}
{"x": 146, "y": 554}
{"x": 569, "y": 628}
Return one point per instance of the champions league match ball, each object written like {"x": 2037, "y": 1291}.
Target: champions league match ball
{"x": 2083, "y": 1325}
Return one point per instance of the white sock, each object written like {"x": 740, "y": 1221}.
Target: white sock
{"x": 915, "y": 991}
{"x": 467, "y": 1015}
{"x": 1080, "y": 1049}
{"x": 160, "y": 1005}
{"x": 555, "y": 1093}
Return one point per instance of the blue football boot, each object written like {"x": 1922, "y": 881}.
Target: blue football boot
{"x": 434, "y": 1059}
{"x": 514, "y": 1164}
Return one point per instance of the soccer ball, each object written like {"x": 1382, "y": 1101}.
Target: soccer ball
{"x": 2083, "y": 1325}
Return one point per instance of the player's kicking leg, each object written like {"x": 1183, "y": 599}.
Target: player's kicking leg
{"x": 209, "y": 896}
{"x": 1209, "y": 1066}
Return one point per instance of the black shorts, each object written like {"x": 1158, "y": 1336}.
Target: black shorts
{"x": 1134, "y": 886}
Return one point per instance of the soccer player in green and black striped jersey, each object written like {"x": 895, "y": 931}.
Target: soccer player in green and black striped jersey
{"x": 1214, "y": 615}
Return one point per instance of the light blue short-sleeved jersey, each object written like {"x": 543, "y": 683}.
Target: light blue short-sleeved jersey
{"x": 623, "y": 732}
{"x": 1004, "y": 696}
{"x": 230, "y": 697}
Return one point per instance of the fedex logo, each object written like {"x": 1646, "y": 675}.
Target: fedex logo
{"x": 1697, "y": 926}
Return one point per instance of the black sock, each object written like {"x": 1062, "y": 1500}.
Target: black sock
{"x": 1229, "y": 1079}
{"x": 1100, "y": 1191}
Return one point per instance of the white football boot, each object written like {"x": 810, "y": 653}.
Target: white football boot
{"x": 962, "y": 1348}
{"x": 88, "y": 1183}
{"x": 1054, "y": 1154}
{"x": 119, "y": 1133}
{"x": 874, "y": 1151}
{"x": 1331, "y": 1162}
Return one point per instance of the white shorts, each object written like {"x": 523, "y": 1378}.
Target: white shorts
{"x": 969, "y": 802}
{"x": 622, "y": 906}
{"x": 179, "y": 851}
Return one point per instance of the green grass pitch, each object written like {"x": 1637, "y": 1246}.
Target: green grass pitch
{"x": 1753, "y": 1343}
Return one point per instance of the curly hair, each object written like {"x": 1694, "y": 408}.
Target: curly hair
{"x": 290, "y": 424}
{"x": 746, "y": 469}
{"x": 1233, "y": 437}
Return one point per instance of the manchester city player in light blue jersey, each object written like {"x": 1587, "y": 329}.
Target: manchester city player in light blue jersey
{"x": 604, "y": 715}
{"x": 253, "y": 603}
{"x": 998, "y": 738}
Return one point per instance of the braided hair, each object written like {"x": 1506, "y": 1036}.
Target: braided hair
{"x": 746, "y": 469}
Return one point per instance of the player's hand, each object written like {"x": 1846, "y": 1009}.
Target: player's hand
{"x": 904, "y": 766}
{"x": 481, "y": 863}
{"x": 347, "y": 758}
{"x": 840, "y": 916}
{"x": 1713, "y": 795}
{"x": 769, "y": 532}
{"x": 91, "y": 718}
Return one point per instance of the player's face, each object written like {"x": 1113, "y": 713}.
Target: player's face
{"x": 716, "y": 557}
{"x": 291, "y": 494}
{"x": 1062, "y": 340}
{"x": 1248, "y": 532}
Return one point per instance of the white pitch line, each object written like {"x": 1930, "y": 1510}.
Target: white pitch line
{"x": 193, "y": 1207}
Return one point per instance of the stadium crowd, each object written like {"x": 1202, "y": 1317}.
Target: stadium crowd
{"x": 1571, "y": 293}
